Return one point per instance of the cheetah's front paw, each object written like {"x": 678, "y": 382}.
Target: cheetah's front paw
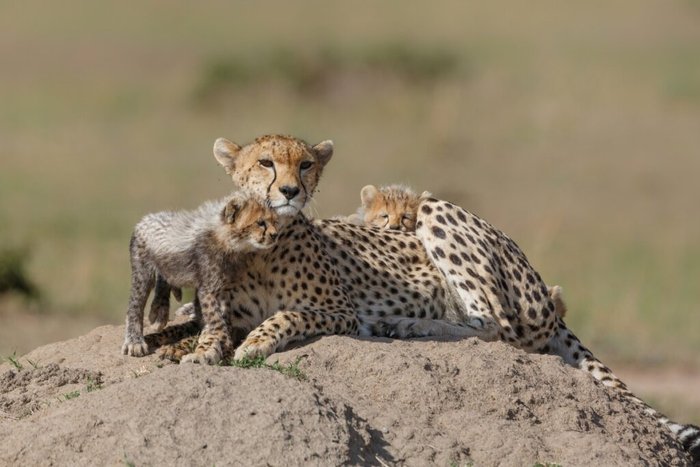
{"x": 138, "y": 348}
{"x": 253, "y": 348}
{"x": 210, "y": 357}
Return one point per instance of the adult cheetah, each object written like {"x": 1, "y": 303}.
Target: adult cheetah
{"x": 456, "y": 275}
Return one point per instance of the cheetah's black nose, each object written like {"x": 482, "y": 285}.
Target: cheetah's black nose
{"x": 289, "y": 192}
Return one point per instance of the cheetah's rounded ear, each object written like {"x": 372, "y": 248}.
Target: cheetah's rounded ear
{"x": 426, "y": 194}
{"x": 228, "y": 215}
{"x": 225, "y": 152}
{"x": 323, "y": 151}
{"x": 367, "y": 194}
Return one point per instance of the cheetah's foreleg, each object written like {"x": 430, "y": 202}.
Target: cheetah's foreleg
{"x": 287, "y": 326}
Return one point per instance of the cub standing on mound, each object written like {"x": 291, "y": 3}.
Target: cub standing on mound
{"x": 196, "y": 249}
{"x": 395, "y": 207}
{"x": 282, "y": 170}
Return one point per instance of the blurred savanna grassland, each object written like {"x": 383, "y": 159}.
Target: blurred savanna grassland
{"x": 573, "y": 127}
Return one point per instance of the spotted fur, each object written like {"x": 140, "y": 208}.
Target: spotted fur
{"x": 282, "y": 169}
{"x": 193, "y": 249}
{"x": 496, "y": 283}
{"x": 396, "y": 207}
{"x": 388, "y": 207}
{"x": 456, "y": 275}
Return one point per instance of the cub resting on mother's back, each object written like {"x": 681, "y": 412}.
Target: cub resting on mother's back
{"x": 395, "y": 207}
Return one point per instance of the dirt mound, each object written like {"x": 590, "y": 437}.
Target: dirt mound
{"x": 361, "y": 402}
{"x": 24, "y": 392}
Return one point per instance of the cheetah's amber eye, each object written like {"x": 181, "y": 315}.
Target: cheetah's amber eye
{"x": 384, "y": 216}
{"x": 261, "y": 223}
{"x": 267, "y": 163}
{"x": 305, "y": 165}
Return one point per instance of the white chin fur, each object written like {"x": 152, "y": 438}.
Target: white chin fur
{"x": 286, "y": 210}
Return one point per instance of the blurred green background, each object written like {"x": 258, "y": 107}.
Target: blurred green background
{"x": 572, "y": 126}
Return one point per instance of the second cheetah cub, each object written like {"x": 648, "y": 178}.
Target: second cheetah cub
{"x": 395, "y": 207}
{"x": 193, "y": 249}
{"x": 389, "y": 207}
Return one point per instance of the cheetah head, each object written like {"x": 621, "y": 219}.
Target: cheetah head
{"x": 282, "y": 169}
{"x": 390, "y": 207}
{"x": 248, "y": 224}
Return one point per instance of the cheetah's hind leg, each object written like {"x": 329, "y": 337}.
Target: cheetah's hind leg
{"x": 160, "y": 306}
{"x": 405, "y": 328}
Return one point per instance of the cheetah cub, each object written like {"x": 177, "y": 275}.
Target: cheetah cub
{"x": 388, "y": 207}
{"x": 395, "y": 207}
{"x": 193, "y": 249}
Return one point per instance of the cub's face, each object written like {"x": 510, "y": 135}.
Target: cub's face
{"x": 249, "y": 224}
{"x": 389, "y": 208}
{"x": 283, "y": 170}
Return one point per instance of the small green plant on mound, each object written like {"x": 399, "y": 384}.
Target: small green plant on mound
{"x": 93, "y": 384}
{"x": 546, "y": 464}
{"x": 14, "y": 361}
{"x": 290, "y": 369}
{"x": 71, "y": 395}
{"x": 34, "y": 365}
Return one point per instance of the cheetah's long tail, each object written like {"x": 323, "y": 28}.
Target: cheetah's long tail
{"x": 566, "y": 345}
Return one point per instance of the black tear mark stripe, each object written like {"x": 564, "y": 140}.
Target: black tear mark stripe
{"x": 301, "y": 182}
{"x": 269, "y": 187}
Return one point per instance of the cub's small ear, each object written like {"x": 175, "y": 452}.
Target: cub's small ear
{"x": 323, "y": 151}
{"x": 367, "y": 194}
{"x": 426, "y": 195}
{"x": 228, "y": 215}
{"x": 225, "y": 152}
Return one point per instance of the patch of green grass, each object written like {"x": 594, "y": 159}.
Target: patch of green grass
{"x": 71, "y": 395}
{"x": 290, "y": 369}
{"x": 93, "y": 384}
{"x": 14, "y": 361}
{"x": 34, "y": 365}
{"x": 127, "y": 462}
{"x": 546, "y": 464}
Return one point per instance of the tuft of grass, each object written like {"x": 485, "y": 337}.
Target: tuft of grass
{"x": 14, "y": 361}
{"x": 34, "y": 365}
{"x": 127, "y": 462}
{"x": 546, "y": 464}
{"x": 93, "y": 384}
{"x": 71, "y": 395}
{"x": 290, "y": 369}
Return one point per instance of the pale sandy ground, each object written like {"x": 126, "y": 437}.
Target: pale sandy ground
{"x": 363, "y": 402}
